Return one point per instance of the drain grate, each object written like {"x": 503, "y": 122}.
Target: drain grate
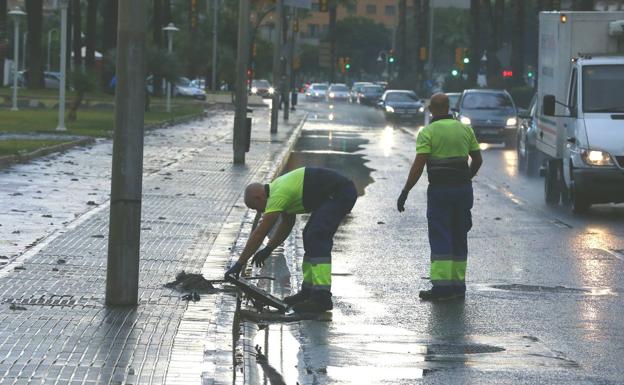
{"x": 454, "y": 349}
{"x": 53, "y": 300}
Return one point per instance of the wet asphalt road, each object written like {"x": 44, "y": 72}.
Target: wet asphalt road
{"x": 545, "y": 287}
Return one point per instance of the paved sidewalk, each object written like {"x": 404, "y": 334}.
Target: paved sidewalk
{"x": 54, "y": 327}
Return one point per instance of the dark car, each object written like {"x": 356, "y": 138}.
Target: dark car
{"x": 401, "y": 105}
{"x": 369, "y": 95}
{"x": 262, "y": 88}
{"x": 492, "y": 115}
{"x": 527, "y": 139}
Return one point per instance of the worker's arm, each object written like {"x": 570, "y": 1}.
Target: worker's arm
{"x": 476, "y": 160}
{"x": 416, "y": 171}
{"x": 414, "y": 175}
{"x": 257, "y": 236}
{"x": 282, "y": 231}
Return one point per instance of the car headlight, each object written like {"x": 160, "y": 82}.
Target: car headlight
{"x": 389, "y": 109}
{"x": 331, "y": 94}
{"x": 271, "y": 90}
{"x": 421, "y": 109}
{"x": 596, "y": 158}
{"x": 464, "y": 120}
{"x": 511, "y": 122}
{"x": 254, "y": 90}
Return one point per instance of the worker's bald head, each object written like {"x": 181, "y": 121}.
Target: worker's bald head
{"x": 255, "y": 196}
{"x": 439, "y": 105}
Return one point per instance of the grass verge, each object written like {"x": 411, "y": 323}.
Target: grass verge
{"x": 15, "y": 147}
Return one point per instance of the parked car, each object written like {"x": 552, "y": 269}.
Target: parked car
{"x": 184, "y": 88}
{"x": 355, "y": 90}
{"x": 316, "y": 91}
{"x": 401, "y": 105}
{"x": 370, "y": 94}
{"x": 337, "y": 92}
{"x": 262, "y": 88}
{"x": 492, "y": 115}
{"x": 51, "y": 80}
{"x": 527, "y": 138}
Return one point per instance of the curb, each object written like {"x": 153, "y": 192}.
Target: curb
{"x": 23, "y": 158}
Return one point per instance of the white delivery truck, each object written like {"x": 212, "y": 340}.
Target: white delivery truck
{"x": 580, "y": 127}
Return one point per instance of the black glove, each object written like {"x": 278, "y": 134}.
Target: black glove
{"x": 235, "y": 270}
{"x": 401, "y": 201}
{"x": 261, "y": 256}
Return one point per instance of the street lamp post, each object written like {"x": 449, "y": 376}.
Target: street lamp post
{"x": 24, "y": 44}
{"x": 63, "y": 4}
{"x": 170, "y": 29}
{"x": 16, "y": 13}
{"x": 49, "y": 47}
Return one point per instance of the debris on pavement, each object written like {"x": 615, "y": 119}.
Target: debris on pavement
{"x": 193, "y": 296}
{"x": 190, "y": 281}
{"x": 16, "y": 307}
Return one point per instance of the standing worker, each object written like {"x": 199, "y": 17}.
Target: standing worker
{"x": 444, "y": 146}
{"x": 326, "y": 194}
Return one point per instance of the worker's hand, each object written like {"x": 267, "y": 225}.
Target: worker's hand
{"x": 235, "y": 269}
{"x": 261, "y": 256}
{"x": 401, "y": 201}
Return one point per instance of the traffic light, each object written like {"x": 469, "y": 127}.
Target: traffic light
{"x": 455, "y": 72}
{"x": 530, "y": 74}
{"x": 341, "y": 64}
{"x": 323, "y": 5}
{"x": 347, "y": 65}
{"x": 507, "y": 73}
{"x": 391, "y": 56}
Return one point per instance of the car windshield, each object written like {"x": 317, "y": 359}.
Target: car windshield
{"x": 339, "y": 88}
{"x": 261, "y": 84}
{"x": 404, "y": 97}
{"x": 372, "y": 90}
{"x": 319, "y": 88}
{"x": 603, "y": 88}
{"x": 485, "y": 101}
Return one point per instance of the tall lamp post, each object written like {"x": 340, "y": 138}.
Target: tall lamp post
{"x": 170, "y": 29}
{"x": 49, "y": 47}
{"x": 16, "y": 13}
{"x": 63, "y": 4}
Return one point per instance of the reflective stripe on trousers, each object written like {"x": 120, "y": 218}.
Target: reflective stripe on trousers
{"x": 318, "y": 237}
{"x": 449, "y": 220}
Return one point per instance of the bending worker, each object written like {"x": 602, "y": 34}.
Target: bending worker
{"x": 326, "y": 194}
{"x": 444, "y": 146}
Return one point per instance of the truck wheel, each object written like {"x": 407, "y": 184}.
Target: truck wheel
{"x": 552, "y": 192}
{"x": 578, "y": 202}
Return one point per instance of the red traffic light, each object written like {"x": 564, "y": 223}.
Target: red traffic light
{"x": 507, "y": 73}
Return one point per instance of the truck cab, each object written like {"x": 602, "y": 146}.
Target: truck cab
{"x": 580, "y": 126}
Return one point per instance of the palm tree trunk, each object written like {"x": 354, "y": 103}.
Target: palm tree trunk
{"x": 157, "y": 33}
{"x": 333, "y": 8}
{"x": 475, "y": 40}
{"x": 422, "y": 35}
{"x": 4, "y": 42}
{"x": 109, "y": 39}
{"x": 402, "y": 40}
{"x": 77, "y": 33}
{"x": 34, "y": 10}
{"x": 167, "y": 12}
{"x": 417, "y": 6}
{"x": 517, "y": 42}
{"x": 90, "y": 35}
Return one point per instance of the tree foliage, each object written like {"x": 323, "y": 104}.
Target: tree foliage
{"x": 361, "y": 40}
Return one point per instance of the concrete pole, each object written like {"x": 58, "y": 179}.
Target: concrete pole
{"x": 122, "y": 270}
{"x": 242, "y": 61}
{"x": 430, "y": 41}
{"x": 288, "y": 67}
{"x": 277, "y": 53}
{"x": 24, "y": 44}
{"x": 215, "y": 42}
{"x": 15, "y": 63}
{"x": 63, "y": 67}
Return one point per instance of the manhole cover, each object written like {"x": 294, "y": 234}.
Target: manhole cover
{"x": 450, "y": 349}
{"x": 542, "y": 289}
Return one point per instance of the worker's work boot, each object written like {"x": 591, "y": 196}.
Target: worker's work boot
{"x": 301, "y": 296}
{"x": 437, "y": 295}
{"x": 319, "y": 302}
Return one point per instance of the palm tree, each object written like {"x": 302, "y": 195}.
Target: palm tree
{"x": 157, "y": 33}
{"x": 109, "y": 39}
{"x": 34, "y": 17}
{"x": 4, "y": 43}
{"x": 77, "y": 32}
{"x": 517, "y": 42}
{"x": 90, "y": 33}
{"x": 475, "y": 39}
{"x": 402, "y": 40}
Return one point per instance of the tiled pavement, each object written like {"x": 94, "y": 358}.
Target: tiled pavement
{"x": 192, "y": 215}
